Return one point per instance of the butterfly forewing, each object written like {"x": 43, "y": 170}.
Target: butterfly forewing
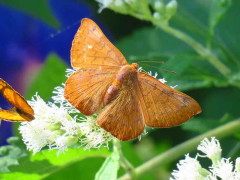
{"x": 86, "y": 88}
{"x": 23, "y": 109}
{"x": 91, "y": 49}
{"x": 162, "y": 106}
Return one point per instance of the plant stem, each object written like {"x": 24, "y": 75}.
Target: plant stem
{"x": 204, "y": 52}
{"x": 190, "y": 145}
{"x": 123, "y": 161}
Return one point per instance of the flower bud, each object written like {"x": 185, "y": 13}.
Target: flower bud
{"x": 159, "y": 6}
{"x": 171, "y": 8}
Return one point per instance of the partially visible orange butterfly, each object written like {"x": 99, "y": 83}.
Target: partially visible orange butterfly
{"x": 127, "y": 100}
{"x": 22, "y": 111}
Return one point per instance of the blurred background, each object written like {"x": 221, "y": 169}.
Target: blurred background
{"x": 35, "y": 48}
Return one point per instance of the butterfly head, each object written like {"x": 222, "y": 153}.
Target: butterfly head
{"x": 134, "y": 66}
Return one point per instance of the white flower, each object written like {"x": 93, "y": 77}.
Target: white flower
{"x": 211, "y": 177}
{"x": 59, "y": 98}
{"x": 188, "y": 169}
{"x": 50, "y": 122}
{"x": 94, "y": 135}
{"x": 69, "y": 72}
{"x": 63, "y": 142}
{"x": 212, "y": 149}
{"x": 224, "y": 169}
{"x": 174, "y": 86}
{"x": 163, "y": 80}
{"x": 155, "y": 74}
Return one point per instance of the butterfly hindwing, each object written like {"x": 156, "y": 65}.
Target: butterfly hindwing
{"x": 163, "y": 106}
{"x": 123, "y": 117}
{"x": 13, "y": 116}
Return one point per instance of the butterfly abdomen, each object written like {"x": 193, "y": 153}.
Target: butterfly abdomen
{"x": 124, "y": 77}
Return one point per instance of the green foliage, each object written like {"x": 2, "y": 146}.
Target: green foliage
{"x": 38, "y": 9}
{"x": 109, "y": 168}
{"x": 24, "y": 165}
{"x": 11, "y": 154}
{"x": 52, "y": 74}
{"x": 218, "y": 9}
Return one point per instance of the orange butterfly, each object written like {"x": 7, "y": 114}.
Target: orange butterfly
{"x": 22, "y": 110}
{"x": 127, "y": 100}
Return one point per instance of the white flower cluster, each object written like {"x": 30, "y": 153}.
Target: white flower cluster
{"x": 59, "y": 125}
{"x": 221, "y": 168}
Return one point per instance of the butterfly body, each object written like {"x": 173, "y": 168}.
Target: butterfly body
{"x": 125, "y": 99}
{"x": 125, "y": 76}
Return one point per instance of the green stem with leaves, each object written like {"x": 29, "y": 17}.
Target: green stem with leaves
{"x": 126, "y": 165}
{"x": 200, "y": 49}
{"x": 204, "y": 52}
{"x": 178, "y": 151}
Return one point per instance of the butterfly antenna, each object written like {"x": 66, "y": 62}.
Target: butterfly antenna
{"x": 162, "y": 69}
{"x": 158, "y": 62}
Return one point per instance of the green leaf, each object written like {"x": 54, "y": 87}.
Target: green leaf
{"x": 109, "y": 168}
{"x": 235, "y": 79}
{"x": 201, "y": 125}
{"x": 38, "y": 9}
{"x": 178, "y": 63}
{"x": 191, "y": 72}
{"x": 46, "y": 163}
{"x": 51, "y": 75}
{"x": 148, "y": 41}
{"x": 10, "y": 154}
{"x": 217, "y": 11}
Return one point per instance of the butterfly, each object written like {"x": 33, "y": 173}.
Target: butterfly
{"x": 22, "y": 111}
{"x": 126, "y": 99}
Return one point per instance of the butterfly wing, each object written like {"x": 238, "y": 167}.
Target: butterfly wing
{"x": 123, "y": 117}
{"x": 12, "y": 116}
{"x": 85, "y": 89}
{"x": 23, "y": 109}
{"x": 91, "y": 49}
{"x": 14, "y": 98}
{"x": 162, "y": 106}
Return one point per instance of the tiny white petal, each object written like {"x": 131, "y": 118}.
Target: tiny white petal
{"x": 59, "y": 98}
{"x": 69, "y": 72}
{"x": 224, "y": 169}
{"x": 93, "y": 135}
{"x": 163, "y": 80}
{"x": 211, "y": 148}
{"x": 174, "y": 86}
{"x": 188, "y": 169}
